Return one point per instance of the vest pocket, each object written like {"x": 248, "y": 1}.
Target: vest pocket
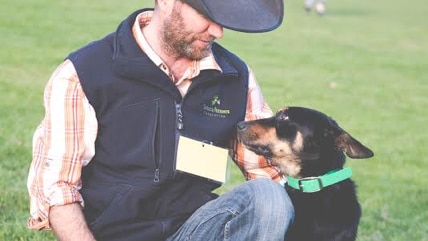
{"x": 109, "y": 213}
{"x": 129, "y": 204}
{"x": 129, "y": 136}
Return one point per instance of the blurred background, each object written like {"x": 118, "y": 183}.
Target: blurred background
{"x": 365, "y": 63}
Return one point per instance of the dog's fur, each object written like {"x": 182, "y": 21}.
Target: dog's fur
{"x": 304, "y": 142}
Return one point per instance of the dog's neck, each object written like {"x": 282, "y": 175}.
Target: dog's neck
{"x": 325, "y": 162}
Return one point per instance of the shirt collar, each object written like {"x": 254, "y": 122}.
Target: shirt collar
{"x": 194, "y": 68}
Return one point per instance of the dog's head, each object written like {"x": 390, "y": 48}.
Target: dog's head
{"x": 301, "y": 142}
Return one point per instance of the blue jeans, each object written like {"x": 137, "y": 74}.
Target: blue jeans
{"x": 257, "y": 210}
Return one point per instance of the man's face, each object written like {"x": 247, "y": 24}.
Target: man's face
{"x": 186, "y": 33}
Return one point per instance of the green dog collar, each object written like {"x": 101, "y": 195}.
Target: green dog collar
{"x": 315, "y": 184}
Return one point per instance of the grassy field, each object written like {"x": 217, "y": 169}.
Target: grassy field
{"x": 365, "y": 63}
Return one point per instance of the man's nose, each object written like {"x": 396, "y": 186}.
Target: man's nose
{"x": 215, "y": 30}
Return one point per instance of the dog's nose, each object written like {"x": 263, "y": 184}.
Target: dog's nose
{"x": 241, "y": 126}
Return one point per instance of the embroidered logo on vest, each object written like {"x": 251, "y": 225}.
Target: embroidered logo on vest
{"x": 213, "y": 108}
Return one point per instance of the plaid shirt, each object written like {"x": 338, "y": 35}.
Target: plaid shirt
{"x": 64, "y": 141}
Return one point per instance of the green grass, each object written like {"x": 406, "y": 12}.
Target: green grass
{"x": 375, "y": 53}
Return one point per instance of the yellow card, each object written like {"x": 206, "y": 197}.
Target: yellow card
{"x": 202, "y": 159}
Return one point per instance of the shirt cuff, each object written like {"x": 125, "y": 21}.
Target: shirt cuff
{"x": 39, "y": 219}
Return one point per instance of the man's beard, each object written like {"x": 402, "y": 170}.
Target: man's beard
{"x": 177, "y": 41}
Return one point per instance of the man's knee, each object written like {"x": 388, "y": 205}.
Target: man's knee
{"x": 271, "y": 200}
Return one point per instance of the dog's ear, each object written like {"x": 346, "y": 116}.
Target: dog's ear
{"x": 346, "y": 143}
{"x": 352, "y": 147}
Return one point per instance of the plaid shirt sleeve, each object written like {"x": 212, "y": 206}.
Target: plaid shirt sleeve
{"x": 251, "y": 164}
{"x": 62, "y": 144}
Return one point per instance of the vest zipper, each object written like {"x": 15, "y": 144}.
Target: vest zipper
{"x": 157, "y": 143}
{"x": 156, "y": 175}
{"x": 179, "y": 114}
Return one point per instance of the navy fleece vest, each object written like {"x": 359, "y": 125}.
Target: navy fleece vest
{"x": 130, "y": 187}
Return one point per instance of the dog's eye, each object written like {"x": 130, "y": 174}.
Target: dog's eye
{"x": 282, "y": 116}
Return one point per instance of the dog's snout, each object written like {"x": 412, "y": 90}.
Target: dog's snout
{"x": 242, "y": 126}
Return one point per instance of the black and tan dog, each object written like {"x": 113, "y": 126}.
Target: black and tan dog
{"x": 308, "y": 147}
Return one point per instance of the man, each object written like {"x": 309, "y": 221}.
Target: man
{"x": 104, "y": 157}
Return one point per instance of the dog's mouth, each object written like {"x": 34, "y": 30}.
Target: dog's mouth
{"x": 260, "y": 150}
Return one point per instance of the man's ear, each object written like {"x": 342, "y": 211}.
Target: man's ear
{"x": 352, "y": 147}
{"x": 165, "y": 6}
